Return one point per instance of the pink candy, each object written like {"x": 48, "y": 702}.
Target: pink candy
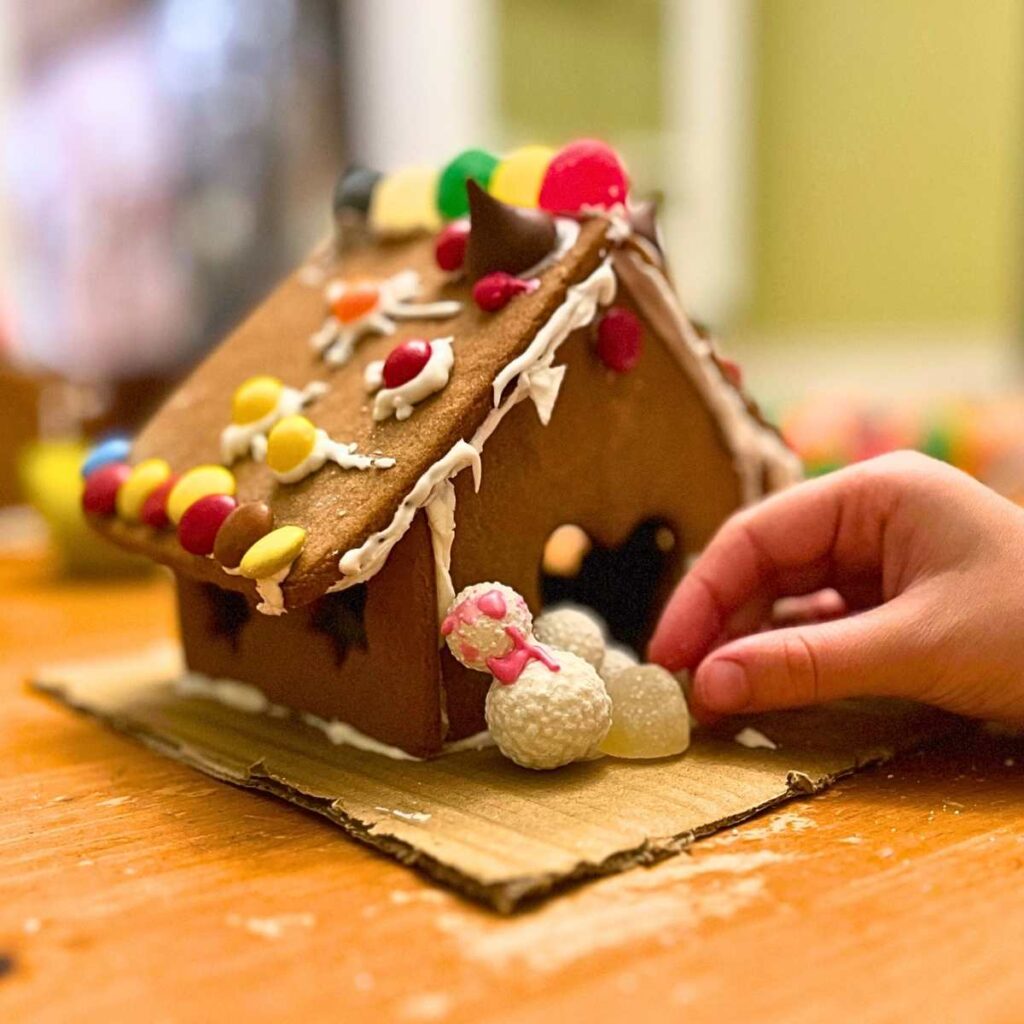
{"x": 619, "y": 339}
{"x": 202, "y": 519}
{"x": 101, "y": 486}
{"x": 450, "y": 247}
{"x": 404, "y": 362}
{"x": 496, "y": 291}
{"x": 584, "y": 173}
{"x": 154, "y": 508}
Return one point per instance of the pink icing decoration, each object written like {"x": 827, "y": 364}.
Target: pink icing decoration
{"x": 492, "y": 604}
{"x": 465, "y": 613}
{"x": 469, "y": 652}
{"x": 509, "y": 667}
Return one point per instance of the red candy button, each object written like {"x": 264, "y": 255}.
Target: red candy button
{"x": 202, "y": 519}
{"x": 154, "y": 508}
{"x": 404, "y": 362}
{"x": 619, "y": 339}
{"x": 584, "y": 173}
{"x": 355, "y": 301}
{"x": 450, "y": 247}
{"x": 731, "y": 370}
{"x": 99, "y": 498}
{"x": 495, "y": 291}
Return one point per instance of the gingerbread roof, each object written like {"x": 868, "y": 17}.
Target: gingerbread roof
{"x": 296, "y": 338}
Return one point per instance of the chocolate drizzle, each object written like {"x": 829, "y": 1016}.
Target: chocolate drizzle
{"x": 503, "y": 237}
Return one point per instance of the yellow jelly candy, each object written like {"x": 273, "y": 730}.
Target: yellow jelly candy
{"x": 273, "y": 552}
{"x": 517, "y": 178}
{"x": 290, "y": 443}
{"x": 195, "y": 484}
{"x": 405, "y": 201}
{"x": 256, "y": 398}
{"x": 145, "y": 478}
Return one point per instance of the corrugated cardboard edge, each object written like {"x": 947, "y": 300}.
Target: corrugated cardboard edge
{"x": 509, "y": 895}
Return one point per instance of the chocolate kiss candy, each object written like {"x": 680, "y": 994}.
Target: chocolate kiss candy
{"x": 501, "y": 237}
{"x": 643, "y": 219}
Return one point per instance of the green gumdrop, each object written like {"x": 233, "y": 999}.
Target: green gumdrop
{"x": 477, "y": 164}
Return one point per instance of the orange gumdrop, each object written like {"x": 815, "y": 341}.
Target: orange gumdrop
{"x": 355, "y": 301}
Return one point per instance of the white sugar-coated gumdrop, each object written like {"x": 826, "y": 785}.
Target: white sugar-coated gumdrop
{"x": 649, "y": 714}
{"x": 477, "y": 624}
{"x": 574, "y": 630}
{"x": 547, "y": 719}
{"x": 616, "y": 659}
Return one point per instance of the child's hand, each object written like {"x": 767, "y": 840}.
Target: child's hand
{"x": 928, "y": 563}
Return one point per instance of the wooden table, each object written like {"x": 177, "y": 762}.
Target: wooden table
{"x": 132, "y": 888}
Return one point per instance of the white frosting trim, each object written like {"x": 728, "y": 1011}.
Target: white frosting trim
{"x": 269, "y": 589}
{"x": 751, "y": 443}
{"x": 344, "y": 453}
{"x": 237, "y": 439}
{"x": 401, "y": 401}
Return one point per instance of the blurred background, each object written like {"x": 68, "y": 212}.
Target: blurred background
{"x": 843, "y": 191}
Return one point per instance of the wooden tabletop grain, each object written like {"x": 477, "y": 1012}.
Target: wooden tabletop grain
{"x": 133, "y": 889}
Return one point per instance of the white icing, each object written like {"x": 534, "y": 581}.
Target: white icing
{"x": 344, "y": 453}
{"x": 400, "y": 401}
{"x": 252, "y": 701}
{"x": 269, "y": 589}
{"x": 336, "y": 341}
{"x": 238, "y": 439}
{"x": 359, "y": 564}
{"x": 440, "y": 511}
{"x": 750, "y": 443}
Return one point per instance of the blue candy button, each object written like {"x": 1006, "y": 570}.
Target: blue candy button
{"x": 114, "y": 449}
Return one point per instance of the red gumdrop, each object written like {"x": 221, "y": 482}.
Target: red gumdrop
{"x": 154, "y": 508}
{"x": 494, "y": 291}
{"x": 450, "y": 247}
{"x": 405, "y": 362}
{"x": 584, "y": 173}
{"x": 619, "y": 339}
{"x": 198, "y": 527}
{"x": 99, "y": 498}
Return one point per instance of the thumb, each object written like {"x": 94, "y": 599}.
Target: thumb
{"x": 888, "y": 651}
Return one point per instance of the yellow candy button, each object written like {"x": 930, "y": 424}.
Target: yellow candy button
{"x": 254, "y": 399}
{"x": 518, "y": 177}
{"x": 145, "y": 478}
{"x": 195, "y": 484}
{"x": 405, "y": 201}
{"x": 290, "y": 443}
{"x": 272, "y": 553}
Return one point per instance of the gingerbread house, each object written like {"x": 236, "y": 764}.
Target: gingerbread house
{"x": 481, "y": 357}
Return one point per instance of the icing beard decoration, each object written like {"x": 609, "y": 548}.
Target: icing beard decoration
{"x": 361, "y": 308}
{"x": 413, "y": 370}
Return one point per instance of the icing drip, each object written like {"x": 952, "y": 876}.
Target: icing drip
{"x": 271, "y": 594}
{"x": 238, "y": 439}
{"x": 344, "y": 454}
{"x": 509, "y": 667}
{"x": 400, "y": 400}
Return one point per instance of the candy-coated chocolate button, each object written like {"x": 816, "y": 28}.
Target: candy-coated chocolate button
{"x": 584, "y": 173}
{"x": 517, "y": 178}
{"x": 201, "y": 521}
{"x": 242, "y": 528}
{"x": 272, "y": 553}
{"x": 154, "y": 508}
{"x": 143, "y": 480}
{"x": 196, "y": 484}
{"x": 114, "y": 449}
{"x": 405, "y": 201}
{"x": 254, "y": 399}
{"x": 355, "y": 302}
{"x": 99, "y": 498}
{"x": 290, "y": 443}
{"x": 477, "y": 164}
{"x": 405, "y": 361}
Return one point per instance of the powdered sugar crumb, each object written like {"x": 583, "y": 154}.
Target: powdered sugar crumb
{"x": 754, "y": 739}
{"x": 271, "y": 927}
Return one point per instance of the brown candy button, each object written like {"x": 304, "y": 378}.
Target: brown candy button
{"x": 503, "y": 237}
{"x": 242, "y": 528}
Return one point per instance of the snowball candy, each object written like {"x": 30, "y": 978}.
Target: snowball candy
{"x": 616, "y": 659}
{"x": 649, "y": 716}
{"x": 516, "y": 179}
{"x": 571, "y": 629}
{"x": 405, "y": 201}
{"x": 584, "y": 173}
{"x": 547, "y": 719}
{"x": 476, "y": 623}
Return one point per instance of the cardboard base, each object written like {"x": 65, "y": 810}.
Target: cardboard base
{"x": 473, "y": 820}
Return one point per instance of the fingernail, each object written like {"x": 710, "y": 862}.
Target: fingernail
{"x": 722, "y": 687}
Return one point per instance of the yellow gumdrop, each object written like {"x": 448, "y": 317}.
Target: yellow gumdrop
{"x": 256, "y": 398}
{"x": 405, "y": 201}
{"x": 145, "y": 478}
{"x": 195, "y": 484}
{"x": 290, "y": 443}
{"x": 273, "y": 552}
{"x": 517, "y": 179}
